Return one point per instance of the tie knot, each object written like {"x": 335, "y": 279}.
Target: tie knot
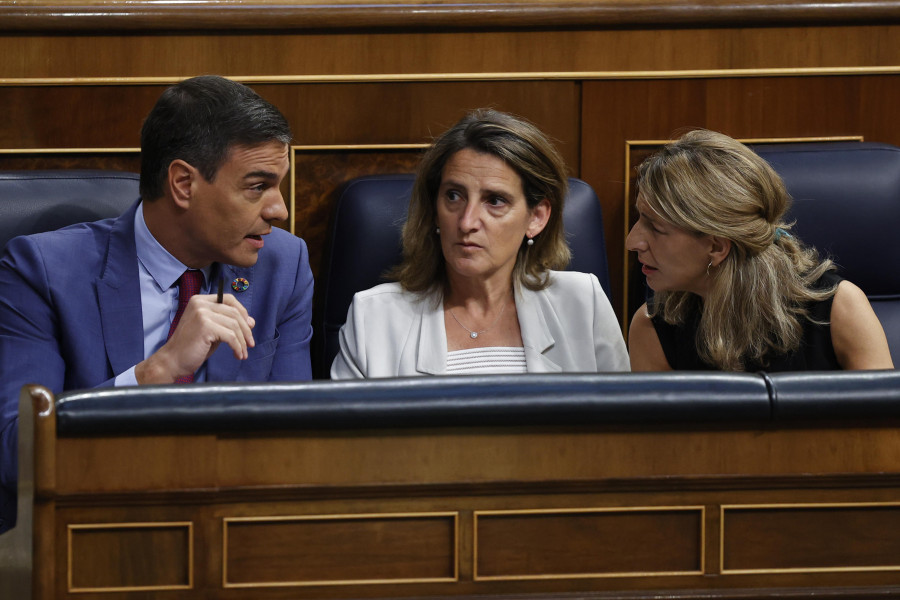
{"x": 189, "y": 284}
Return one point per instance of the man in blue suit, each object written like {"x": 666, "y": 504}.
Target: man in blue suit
{"x": 94, "y": 304}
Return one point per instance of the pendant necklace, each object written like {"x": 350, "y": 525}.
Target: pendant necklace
{"x": 475, "y": 334}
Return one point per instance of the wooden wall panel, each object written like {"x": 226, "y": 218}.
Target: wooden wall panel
{"x": 353, "y": 514}
{"x": 328, "y": 55}
{"x": 130, "y": 557}
{"x": 810, "y": 538}
{"x": 90, "y": 159}
{"x": 520, "y": 545}
{"x": 338, "y": 550}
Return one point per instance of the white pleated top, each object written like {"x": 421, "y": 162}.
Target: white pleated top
{"x": 493, "y": 359}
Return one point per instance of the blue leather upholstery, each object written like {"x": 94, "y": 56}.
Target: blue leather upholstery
{"x": 365, "y": 242}
{"x": 843, "y": 396}
{"x": 37, "y": 201}
{"x": 847, "y": 205}
{"x": 483, "y": 401}
{"x": 465, "y": 401}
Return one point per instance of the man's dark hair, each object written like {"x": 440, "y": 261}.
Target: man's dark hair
{"x": 198, "y": 121}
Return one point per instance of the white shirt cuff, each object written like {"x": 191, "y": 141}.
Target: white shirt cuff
{"x": 126, "y": 378}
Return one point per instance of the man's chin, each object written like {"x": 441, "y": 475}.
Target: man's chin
{"x": 243, "y": 259}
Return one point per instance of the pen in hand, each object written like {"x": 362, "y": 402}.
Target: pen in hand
{"x": 221, "y": 289}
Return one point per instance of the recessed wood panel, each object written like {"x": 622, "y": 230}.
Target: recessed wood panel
{"x": 126, "y": 556}
{"x": 615, "y": 49}
{"x": 110, "y": 159}
{"x": 322, "y": 550}
{"x": 810, "y": 538}
{"x": 589, "y": 543}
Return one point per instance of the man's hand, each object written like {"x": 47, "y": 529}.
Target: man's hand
{"x": 203, "y": 326}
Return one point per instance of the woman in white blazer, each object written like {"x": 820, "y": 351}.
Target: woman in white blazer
{"x": 477, "y": 291}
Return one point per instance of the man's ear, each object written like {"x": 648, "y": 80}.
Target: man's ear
{"x": 720, "y": 247}
{"x": 180, "y": 181}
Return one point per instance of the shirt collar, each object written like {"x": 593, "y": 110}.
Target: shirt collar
{"x": 164, "y": 268}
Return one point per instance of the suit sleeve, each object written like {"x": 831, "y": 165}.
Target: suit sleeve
{"x": 609, "y": 345}
{"x": 29, "y": 349}
{"x": 350, "y": 360}
{"x": 292, "y": 361}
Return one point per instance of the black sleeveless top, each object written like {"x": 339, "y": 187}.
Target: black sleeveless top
{"x": 815, "y": 353}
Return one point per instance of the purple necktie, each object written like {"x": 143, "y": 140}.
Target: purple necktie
{"x": 188, "y": 285}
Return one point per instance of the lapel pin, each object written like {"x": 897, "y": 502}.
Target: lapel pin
{"x": 240, "y": 284}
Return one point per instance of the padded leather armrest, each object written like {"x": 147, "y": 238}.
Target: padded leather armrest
{"x": 537, "y": 399}
{"x": 841, "y": 395}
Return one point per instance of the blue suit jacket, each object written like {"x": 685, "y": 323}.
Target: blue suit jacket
{"x": 70, "y": 318}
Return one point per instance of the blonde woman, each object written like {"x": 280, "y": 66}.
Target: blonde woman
{"x": 734, "y": 289}
{"x": 477, "y": 291}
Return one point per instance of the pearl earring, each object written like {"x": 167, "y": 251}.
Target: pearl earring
{"x": 530, "y": 242}
{"x": 437, "y": 230}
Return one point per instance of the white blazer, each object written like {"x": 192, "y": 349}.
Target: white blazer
{"x": 568, "y": 326}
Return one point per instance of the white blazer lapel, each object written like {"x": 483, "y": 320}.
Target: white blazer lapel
{"x": 432, "y": 350}
{"x": 536, "y": 336}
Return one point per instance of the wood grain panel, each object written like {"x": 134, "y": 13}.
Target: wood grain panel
{"x": 339, "y": 550}
{"x": 130, "y": 556}
{"x": 416, "y": 14}
{"x": 105, "y": 116}
{"x": 536, "y": 53}
{"x": 181, "y": 462}
{"x": 437, "y": 457}
{"x": 810, "y": 538}
{"x": 117, "y": 161}
{"x": 588, "y": 543}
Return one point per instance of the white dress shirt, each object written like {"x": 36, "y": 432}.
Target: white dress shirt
{"x": 158, "y": 272}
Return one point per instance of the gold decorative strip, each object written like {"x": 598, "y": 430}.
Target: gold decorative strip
{"x": 445, "y": 77}
{"x": 630, "y": 144}
{"x": 71, "y": 528}
{"x": 338, "y": 517}
{"x": 588, "y": 510}
{"x": 761, "y": 507}
{"x": 70, "y": 150}
{"x": 357, "y": 147}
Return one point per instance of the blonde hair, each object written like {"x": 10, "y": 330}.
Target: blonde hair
{"x": 531, "y": 155}
{"x": 708, "y": 183}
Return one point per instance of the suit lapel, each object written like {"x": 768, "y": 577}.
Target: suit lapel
{"x": 222, "y": 365}
{"x": 431, "y": 355}
{"x": 536, "y": 335}
{"x": 119, "y": 297}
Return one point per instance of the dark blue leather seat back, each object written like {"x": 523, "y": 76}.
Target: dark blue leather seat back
{"x": 847, "y": 205}
{"x": 38, "y": 201}
{"x": 365, "y": 242}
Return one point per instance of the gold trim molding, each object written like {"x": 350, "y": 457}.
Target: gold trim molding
{"x": 463, "y": 77}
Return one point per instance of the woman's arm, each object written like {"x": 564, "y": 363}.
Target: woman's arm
{"x": 350, "y": 360}
{"x": 643, "y": 344}
{"x": 856, "y": 333}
